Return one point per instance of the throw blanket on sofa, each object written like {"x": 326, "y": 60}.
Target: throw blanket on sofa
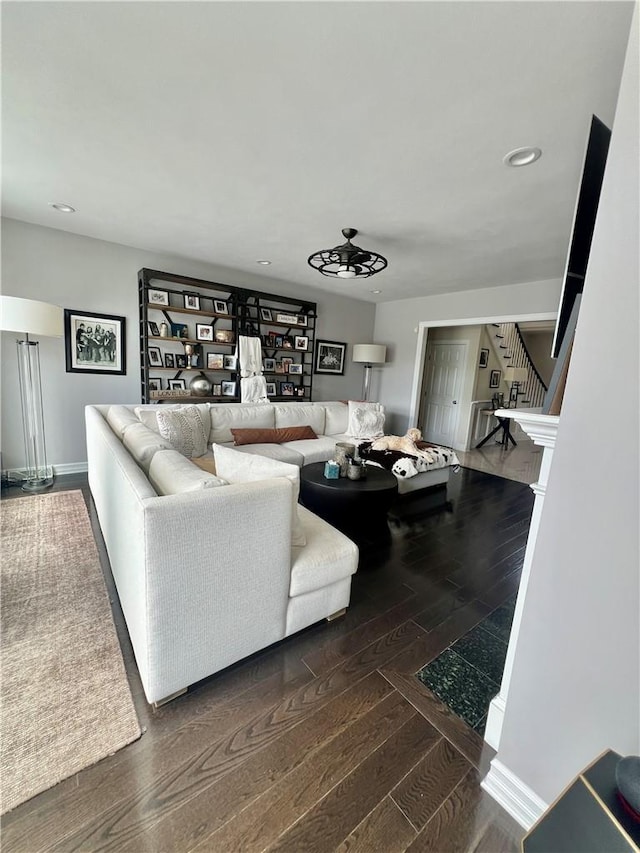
{"x": 404, "y": 465}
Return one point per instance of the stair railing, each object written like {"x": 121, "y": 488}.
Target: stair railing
{"x": 516, "y": 354}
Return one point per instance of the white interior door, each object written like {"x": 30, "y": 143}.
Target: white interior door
{"x": 444, "y": 375}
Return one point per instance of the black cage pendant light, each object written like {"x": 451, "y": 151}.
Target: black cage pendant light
{"x": 347, "y": 260}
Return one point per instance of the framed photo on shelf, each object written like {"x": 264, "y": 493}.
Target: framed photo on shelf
{"x": 300, "y": 391}
{"x": 269, "y": 365}
{"x": 277, "y": 341}
{"x": 94, "y": 343}
{"x": 494, "y": 378}
{"x": 181, "y": 361}
{"x": 484, "y": 358}
{"x": 215, "y": 360}
{"x": 157, "y": 297}
{"x": 301, "y": 342}
{"x": 271, "y": 389}
{"x": 154, "y": 385}
{"x": 179, "y": 330}
{"x": 154, "y": 357}
{"x": 295, "y": 369}
{"x": 217, "y": 390}
{"x": 286, "y": 389}
{"x": 230, "y": 362}
{"x": 220, "y": 306}
{"x": 279, "y": 367}
{"x": 224, "y": 336}
{"x": 169, "y": 359}
{"x": 265, "y": 315}
{"x": 330, "y": 357}
{"x": 177, "y": 385}
{"x": 287, "y": 342}
{"x": 228, "y": 389}
{"x": 287, "y": 319}
{"x": 286, "y": 364}
{"x": 302, "y": 320}
{"x": 192, "y": 301}
{"x": 154, "y": 331}
{"x": 204, "y": 332}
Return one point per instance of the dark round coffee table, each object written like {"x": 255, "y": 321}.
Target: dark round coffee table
{"x": 349, "y": 505}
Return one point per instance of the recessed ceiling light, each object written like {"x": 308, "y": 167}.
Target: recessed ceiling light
{"x": 63, "y": 208}
{"x": 376, "y": 291}
{"x": 522, "y": 156}
{"x": 264, "y": 263}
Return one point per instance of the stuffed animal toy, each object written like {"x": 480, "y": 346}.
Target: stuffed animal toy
{"x": 401, "y": 443}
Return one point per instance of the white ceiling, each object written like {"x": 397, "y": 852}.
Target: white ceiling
{"x": 232, "y": 131}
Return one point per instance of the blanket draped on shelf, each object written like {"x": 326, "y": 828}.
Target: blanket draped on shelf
{"x": 404, "y": 465}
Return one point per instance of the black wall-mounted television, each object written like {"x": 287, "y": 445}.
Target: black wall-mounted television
{"x": 584, "y": 219}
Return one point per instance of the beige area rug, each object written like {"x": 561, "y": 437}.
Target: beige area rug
{"x": 66, "y": 701}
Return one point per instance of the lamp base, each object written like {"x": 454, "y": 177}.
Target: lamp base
{"x": 38, "y": 484}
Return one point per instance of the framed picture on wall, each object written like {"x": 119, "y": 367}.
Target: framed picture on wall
{"x": 330, "y": 356}
{"x": 94, "y": 343}
{"x": 494, "y": 378}
{"x": 484, "y": 358}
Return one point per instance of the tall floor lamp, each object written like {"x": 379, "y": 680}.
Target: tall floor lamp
{"x": 515, "y": 377}
{"x": 32, "y": 318}
{"x": 369, "y": 354}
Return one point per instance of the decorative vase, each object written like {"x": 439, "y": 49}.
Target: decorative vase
{"x": 200, "y": 386}
{"x": 164, "y": 330}
{"x": 344, "y": 452}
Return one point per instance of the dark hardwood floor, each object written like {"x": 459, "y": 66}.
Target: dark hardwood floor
{"x": 326, "y": 741}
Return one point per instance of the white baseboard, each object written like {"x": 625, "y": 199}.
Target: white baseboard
{"x": 516, "y": 798}
{"x": 493, "y": 729}
{"x": 63, "y": 468}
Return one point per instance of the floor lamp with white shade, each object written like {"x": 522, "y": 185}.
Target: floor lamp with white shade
{"x": 369, "y": 354}
{"x": 31, "y": 317}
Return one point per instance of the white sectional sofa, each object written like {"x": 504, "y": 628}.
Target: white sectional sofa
{"x": 208, "y": 575}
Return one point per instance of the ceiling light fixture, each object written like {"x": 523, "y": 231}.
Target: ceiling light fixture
{"x": 62, "y": 208}
{"x": 264, "y": 263}
{"x": 522, "y": 156}
{"x": 347, "y": 260}
{"x": 376, "y": 291}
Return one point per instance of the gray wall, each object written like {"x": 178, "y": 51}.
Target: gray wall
{"x": 92, "y": 275}
{"x": 397, "y": 325}
{"x": 575, "y": 688}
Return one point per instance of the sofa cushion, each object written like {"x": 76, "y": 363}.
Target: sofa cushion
{"x": 366, "y": 420}
{"x": 271, "y": 436}
{"x": 336, "y": 418}
{"x": 143, "y": 443}
{"x": 299, "y": 415}
{"x": 327, "y": 557}
{"x": 119, "y": 418}
{"x": 280, "y": 452}
{"x": 223, "y": 417}
{"x": 170, "y": 473}
{"x": 185, "y": 428}
{"x": 237, "y": 467}
{"x": 320, "y": 450}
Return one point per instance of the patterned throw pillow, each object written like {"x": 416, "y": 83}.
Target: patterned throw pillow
{"x": 185, "y": 430}
{"x": 366, "y": 420}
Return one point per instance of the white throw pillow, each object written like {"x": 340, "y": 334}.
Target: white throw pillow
{"x": 237, "y": 467}
{"x": 366, "y": 420}
{"x": 185, "y": 429}
{"x": 171, "y": 474}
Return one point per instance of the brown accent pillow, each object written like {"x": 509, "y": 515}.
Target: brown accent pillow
{"x": 206, "y": 463}
{"x": 271, "y": 436}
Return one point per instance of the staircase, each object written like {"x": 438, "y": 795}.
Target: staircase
{"x": 510, "y": 347}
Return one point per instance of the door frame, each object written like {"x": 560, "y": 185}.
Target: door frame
{"x": 465, "y": 362}
{"x": 421, "y": 346}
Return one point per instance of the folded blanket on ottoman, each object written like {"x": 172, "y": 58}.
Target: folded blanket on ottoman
{"x": 427, "y": 458}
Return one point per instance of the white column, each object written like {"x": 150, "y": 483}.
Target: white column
{"x": 542, "y": 429}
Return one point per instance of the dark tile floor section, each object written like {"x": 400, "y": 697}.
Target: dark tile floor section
{"x": 467, "y": 675}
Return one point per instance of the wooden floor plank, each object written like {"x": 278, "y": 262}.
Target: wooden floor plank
{"x": 284, "y": 802}
{"x": 422, "y": 792}
{"x": 385, "y": 829}
{"x": 326, "y": 825}
{"x": 201, "y": 816}
{"x": 458, "y": 733}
